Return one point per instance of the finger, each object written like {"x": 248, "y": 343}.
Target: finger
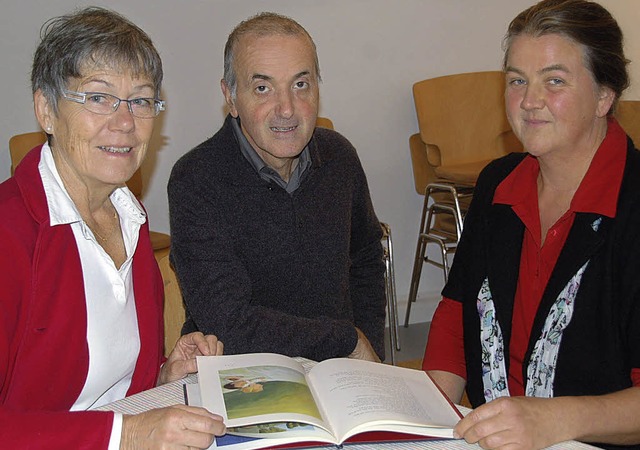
{"x": 502, "y": 440}
{"x": 205, "y": 345}
{"x": 199, "y": 410}
{"x": 200, "y": 420}
{"x": 477, "y": 416}
{"x": 490, "y": 428}
{"x": 179, "y": 369}
{"x": 194, "y": 344}
{"x": 212, "y": 345}
{"x": 196, "y": 440}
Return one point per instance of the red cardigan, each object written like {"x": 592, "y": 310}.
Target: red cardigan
{"x": 44, "y": 357}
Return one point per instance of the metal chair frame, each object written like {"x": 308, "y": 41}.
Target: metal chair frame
{"x": 440, "y": 233}
{"x": 390, "y": 291}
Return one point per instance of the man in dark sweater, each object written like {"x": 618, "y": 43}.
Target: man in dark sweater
{"x": 274, "y": 238}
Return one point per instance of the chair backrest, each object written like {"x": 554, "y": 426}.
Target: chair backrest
{"x": 21, "y": 144}
{"x": 628, "y": 114}
{"x": 324, "y": 122}
{"x": 174, "y": 312}
{"x": 464, "y": 116}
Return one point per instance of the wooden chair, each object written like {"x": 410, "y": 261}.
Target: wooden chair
{"x": 628, "y": 114}
{"x": 324, "y": 122}
{"x": 174, "y": 311}
{"x": 463, "y": 126}
{"x": 21, "y": 144}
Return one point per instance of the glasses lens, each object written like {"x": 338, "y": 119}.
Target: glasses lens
{"x": 105, "y": 104}
{"x": 101, "y": 103}
{"x": 144, "y": 107}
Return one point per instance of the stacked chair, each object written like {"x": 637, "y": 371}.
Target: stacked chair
{"x": 463, "y": 126}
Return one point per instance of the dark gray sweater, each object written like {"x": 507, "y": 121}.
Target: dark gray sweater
{"x": 266, "y": 271}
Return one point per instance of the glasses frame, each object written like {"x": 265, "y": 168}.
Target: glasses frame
{"x": 81, "y": 98}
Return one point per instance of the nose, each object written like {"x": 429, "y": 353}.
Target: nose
{"x": 285, "y": 107}
{"x": 532, "y": 98}
{"x": 122, "y": 119}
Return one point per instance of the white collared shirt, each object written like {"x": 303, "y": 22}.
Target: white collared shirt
{"x": 112, "y": 326}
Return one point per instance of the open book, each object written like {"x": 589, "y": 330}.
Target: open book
{"x": 268, "y": 400}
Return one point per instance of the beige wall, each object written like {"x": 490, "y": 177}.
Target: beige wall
{"x": 371, "y": 52}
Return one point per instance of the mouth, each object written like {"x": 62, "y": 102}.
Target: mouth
{"x": 118, "y": 150}
{"x": 282, "y": 129}
{"x": 534, "y": 119}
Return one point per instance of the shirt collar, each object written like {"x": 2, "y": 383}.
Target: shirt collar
{"x": 62, "y": 210}
{"x": 266, "y": 172}
{"x": 599, "y": 189}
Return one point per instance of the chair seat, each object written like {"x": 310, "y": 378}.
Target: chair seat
{"x": 174, "y": 311}
{"x": 466, "y": 173}
{"x": 161, "y": 244}
{"x": 159, "y": 240}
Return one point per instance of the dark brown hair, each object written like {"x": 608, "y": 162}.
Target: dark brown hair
{"x": 586, "y": 23}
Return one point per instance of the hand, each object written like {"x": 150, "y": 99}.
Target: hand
{"x": 513, "y": 423}
{"x": 182, "y": 360}
{"x": 363, "y": 349}
{"x": 175, "y": 427}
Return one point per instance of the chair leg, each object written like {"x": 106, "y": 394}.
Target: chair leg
{"x": 445, "y": 265}
{"x": 390, "y": 292}
{"x": 421, "y": 249}
{"x": 394, "y": 297}
{"x": 390, "y": 314}
{"x": 431, "y": 233}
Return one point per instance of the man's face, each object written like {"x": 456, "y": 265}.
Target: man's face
{"x": 277, "y": 95}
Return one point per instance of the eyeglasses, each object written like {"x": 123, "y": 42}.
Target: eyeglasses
{"x": 105, "y": 104}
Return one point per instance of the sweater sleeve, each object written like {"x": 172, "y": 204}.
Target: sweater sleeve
{"x": 55, "y": 429}
{"x": 367, "y": 266}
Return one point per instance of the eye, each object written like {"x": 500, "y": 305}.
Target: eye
{"x": 262, "y": 89}
{"x": 142, "y": 102}
{"x": 98, "y": 98}
{"x": 516, "y": 82}
{"x": 300, "y": 85}
{"x": 556, "y": 81}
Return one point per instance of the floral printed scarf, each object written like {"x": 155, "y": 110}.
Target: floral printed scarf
{"x": 542, "y": 365}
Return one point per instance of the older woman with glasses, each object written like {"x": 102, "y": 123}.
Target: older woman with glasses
{"x": 82, "y": 297}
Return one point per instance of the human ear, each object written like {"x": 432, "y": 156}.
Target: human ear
{"x": 44, "y": 111}
{"x": 226, "y": 91}
{"x": 606, "y": 98}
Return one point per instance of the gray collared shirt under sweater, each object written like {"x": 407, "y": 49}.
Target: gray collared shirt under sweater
{"x": 266, "y": 172}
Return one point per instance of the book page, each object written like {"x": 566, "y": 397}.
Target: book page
{"x": 264, "y": 434}
{"x": 257, "y": 389}
{"x": 361, "y": 396}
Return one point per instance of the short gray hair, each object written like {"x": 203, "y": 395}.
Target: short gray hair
{"x": 91, "y": 37}
{"x": 263, "y": 24}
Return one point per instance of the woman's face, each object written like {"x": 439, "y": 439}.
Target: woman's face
{"x": 552, "y": 101}
{"x": 93, "y": 150}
